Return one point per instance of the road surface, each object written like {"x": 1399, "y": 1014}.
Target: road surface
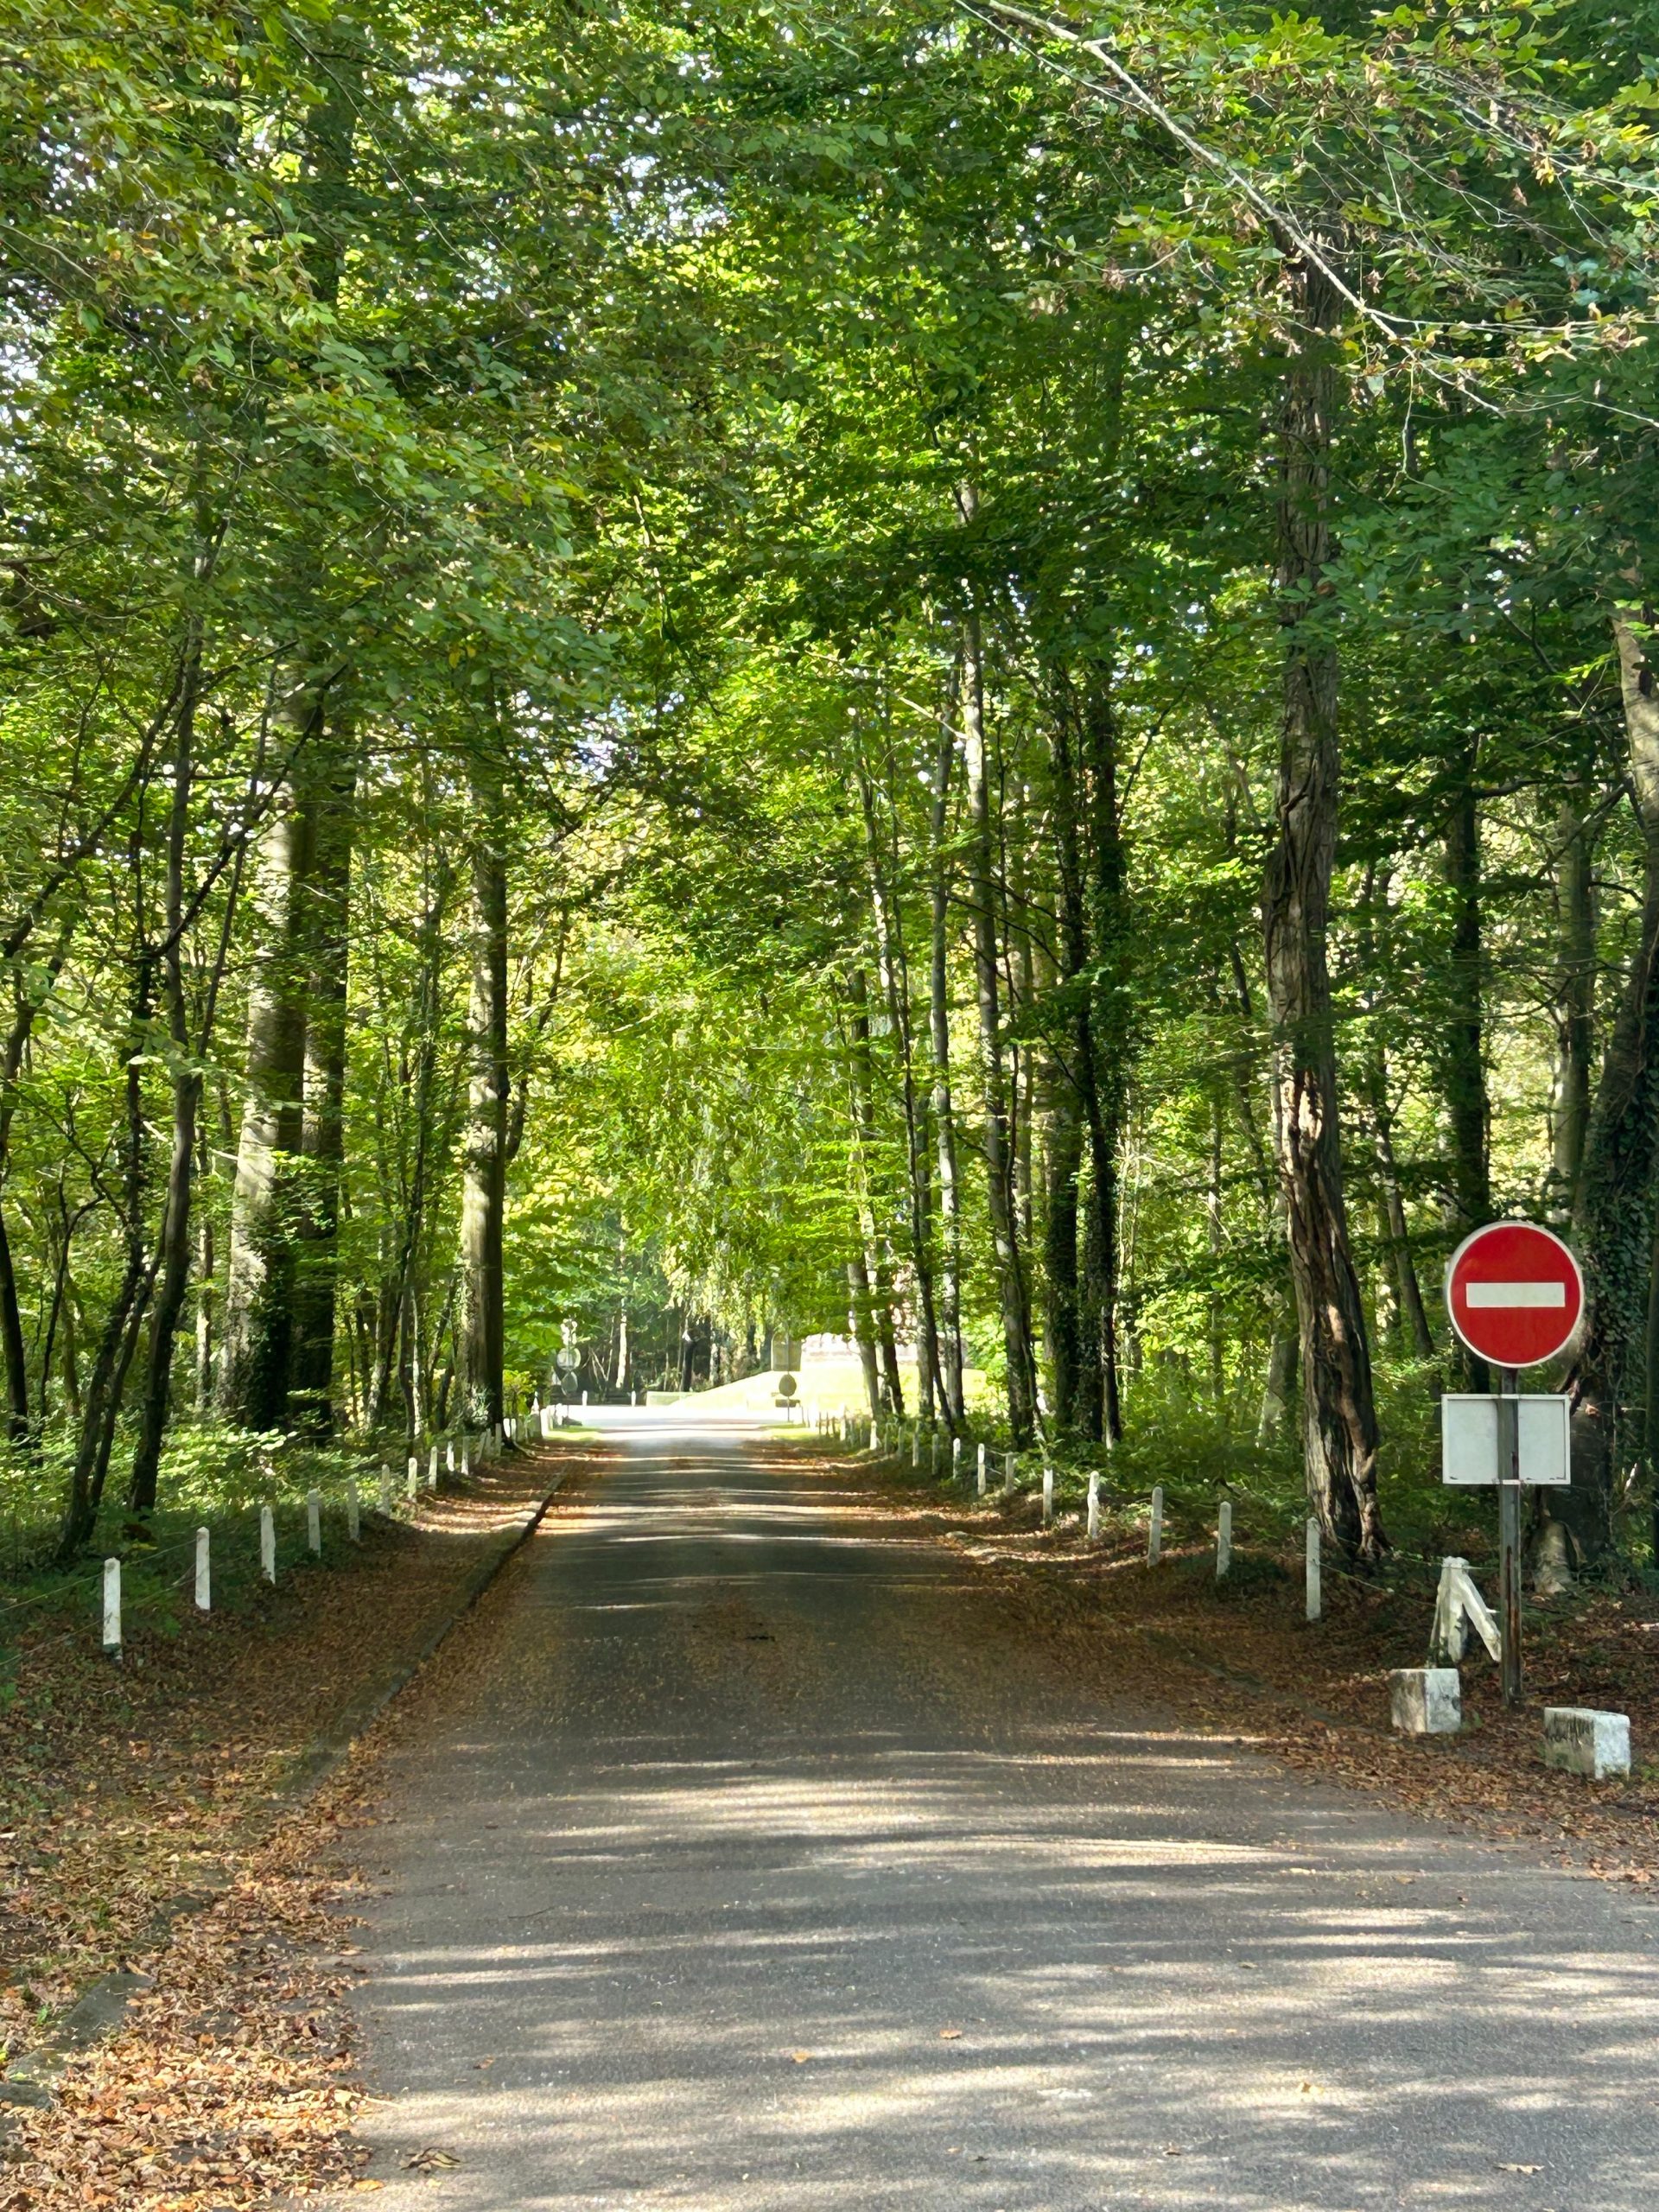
{"x": 755, "y": 1855}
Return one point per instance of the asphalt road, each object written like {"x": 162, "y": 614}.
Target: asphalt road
{"x": 757, "y": 1857}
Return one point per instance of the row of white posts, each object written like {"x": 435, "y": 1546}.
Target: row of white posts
{"x": 843, "y": 1426}
{"x": 489, "y": 1445}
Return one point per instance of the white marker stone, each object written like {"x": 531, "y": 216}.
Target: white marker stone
{"x": 1315, "y": 1594}
{"x": 465, "y": 1469}
{"x": 916, "y": 1444}
{"x": 354, "y": 1512}
{"x": 875, "y": 1437}
{"x": 112, "y": 1607}
{"x": 1048, "y": 1493}
{"x": 1426, "y": 1700}
{"x": 1580, "y": 1740}
{"x": 449, "y": 1456}
{"x": 981, "y": 1470}
{"x": 1008, "y": 1471}
{"x": 414, "y": 1482}
{"x": 313, "y": 1523}
{"x": 267, "y": 1544}
{"x": 1223, "y": 1538}
{"x": 1155, "y": 1527}
{"x": 385, "y": 1488}
{"x": 956, "y": 1458}
{"x": 1093, "y": 1504}
{"x": 204, "y": 1572}
{"x": 432, "y": 1470}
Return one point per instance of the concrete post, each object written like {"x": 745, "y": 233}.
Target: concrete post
{"x": 1155, "y": 1527}
{"x": 204, "y": 1572}
{"x": 353, "y": 1514}
{"x": 413, "y": 1485}
{"x": 112, "y": 1607}
{"x": 916, "y": 1444}
{"x": 432, "y": 1470}
{"x": 982, "y": 1471}
{"x": 1093, "y": 1504}
{"x": 1048, "y": 1494}
{"x": 1223, "y": 1538}
{"x": 1008, "y": 1472}
{"x": 385, "y": 1488}
{"x": 313, "y": 1523}
{"x": 267, "y": 1544}
{"x": 956, "y": 1458}
{"x": 1315, "y": 1598}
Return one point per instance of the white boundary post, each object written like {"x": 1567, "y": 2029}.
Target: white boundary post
{"x": 1315, "y": 1594}
{"x": 112, "y": 1608}
{"x": 465, "y": 1470}
{"x": 204, "y": 1572}
{"x": 267, "y": 1544}
{"x": 385, "y": 1489}
{"x": 981, "y": 1470}
{"x": 1093, "y": 1504}
{"x": 353, "y": 1511}
{"x": 1223, "y": 1538}
{"x": 1008, "y": 1472}
{"x": 1155, "y": 1527}
{"x": 956, "y": 1458}
{"x": 314, "y": 1523}
{"x": 1048, "y": 1493}
{"x": 432, "y": 1470}
{"x": 412, "y": 1483}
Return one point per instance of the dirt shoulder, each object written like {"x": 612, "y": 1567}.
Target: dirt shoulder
{"x": 130, "y": 1783}
{"x": 1239, "y": 1655}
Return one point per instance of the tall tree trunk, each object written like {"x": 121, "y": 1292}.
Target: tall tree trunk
{"x": 121, "y": 1323}
{"x": 999, "y": 1150}
{"x": 1616, "y": 1185}
{"x": 894, "y": 966}
{"x": 1339, "y": 1417}
{"x": 1575, "y": 1006}
{"x": 1063, "y": 1142}
{"x": 258, "y": 1317}
{"x": 939, "y": 1025}
{"x": 1468, "y": 1110}
{"x": 327, "y": 932}
{"x": 482, "y": 1328}
{"x": 174, "y": 1255}
{"x": 858, "y": 1286}
{"x": 1408, "y": 1289}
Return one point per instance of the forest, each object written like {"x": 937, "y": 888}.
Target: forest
{"x": 975, "y": 677}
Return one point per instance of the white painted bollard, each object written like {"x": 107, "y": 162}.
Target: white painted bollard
{"x": 1008, "y": 1471}
{"x": 1093, "y": 1504}
{"x": 449, "y": 1456}
{"x": 112, "y": 1607}
{"x": 313, "y": 1523}
{"x": 1048, "y": 1493}
{"x": 465, "y": 1469}
{"x": 916, "y": 1444}
{"x": 204, "y": 1572}
{"x": 354, "y": 1512}
{"x": 980, "y": 1470}
{"x": 934, "y": 1467}
{"x": 1155, "y": 1527}
{"x": 1223, "y": 1538}
{"x": 1426, "y": 1700}
{"x": 875, "y": 1440}
{"x": 1315, "y": 1594}
{"x": 385, "y": 1488}
{"x": 956, "y": 1458}
{"x": 1580, "y": 1740}
{"x": 584, "y": 1397}
{"x": 413, "y": 1485}
{"x": 267, "y": 1544}
{"x": 432, "y": 1470}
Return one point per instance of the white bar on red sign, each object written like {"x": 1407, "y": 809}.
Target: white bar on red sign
{"x": 1516, "y": 1294}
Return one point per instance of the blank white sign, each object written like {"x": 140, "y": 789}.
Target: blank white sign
{"x": 1468, "y": 1439}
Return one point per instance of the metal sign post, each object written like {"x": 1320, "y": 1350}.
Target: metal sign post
{"x": 1509, "y": 1531}
{"x": 1515, "y": 1296}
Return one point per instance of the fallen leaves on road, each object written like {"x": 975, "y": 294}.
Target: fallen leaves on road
{"x": 430, "y": 2162}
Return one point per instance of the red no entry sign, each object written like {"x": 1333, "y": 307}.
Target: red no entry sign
{"x": 1513, "y": 1293}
